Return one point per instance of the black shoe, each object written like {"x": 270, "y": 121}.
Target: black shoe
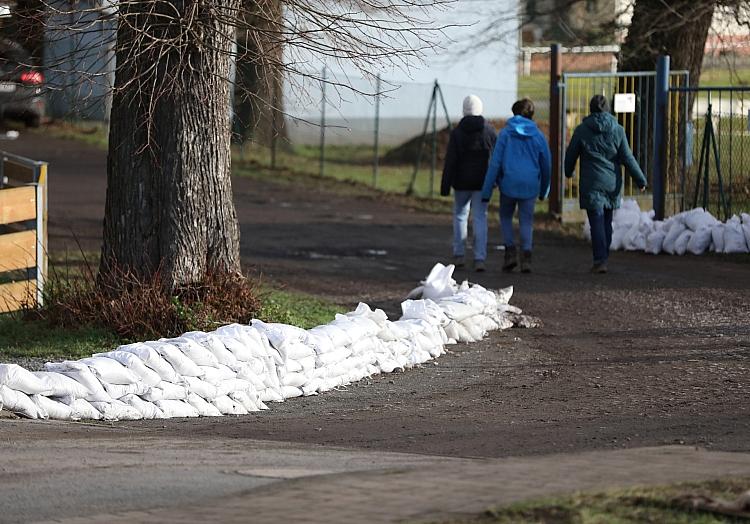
{"x": 479, "y": 266}
{"x": 511, "y": 260}
{"x": 599, "y": 268}
{"x": 459, "y": 262}
{"x": 526, "y": 262}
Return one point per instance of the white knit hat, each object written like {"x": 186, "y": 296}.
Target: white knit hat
{"x": 472, "y": 105}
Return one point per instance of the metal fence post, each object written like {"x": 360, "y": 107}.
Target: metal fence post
{"x": 323, "y": 123}
{"x": 661, "y": 97}
{"x": 377, "y": 133}
{"x": 555, "y": 140}
{"x": 433, "y": 163}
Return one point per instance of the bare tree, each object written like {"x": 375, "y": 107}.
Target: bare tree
{"x": 169, "y": 198}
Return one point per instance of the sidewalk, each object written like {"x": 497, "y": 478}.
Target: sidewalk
{"x": 441, "y": 490}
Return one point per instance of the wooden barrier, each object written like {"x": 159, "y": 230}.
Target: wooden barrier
{"x": 23, "y": 232}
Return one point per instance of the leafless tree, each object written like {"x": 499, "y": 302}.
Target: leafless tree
{"x": 169, "y": 199}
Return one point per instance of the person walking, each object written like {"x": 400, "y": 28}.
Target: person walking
{"x": 466, "y": 162}
{"x": 600, "y": 143}
{"x": 520, "y": 167}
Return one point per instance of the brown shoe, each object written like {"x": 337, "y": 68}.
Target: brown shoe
{"x": 511, "y": 260}
{"x": 526, "y": 262}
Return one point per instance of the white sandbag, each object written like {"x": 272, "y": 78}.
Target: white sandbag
{"x": 176, "y": 408}
{"x": 201, "y": 388}
{"x": 439, "y": 283}
{"x": 335, "y": 334}
{"x": 717, "y": 237}
{"x": 82, "y": 407}
{"x": 293, "y": 379}
{"x": 179, "y": 361}
{"x": 153, "y": 360}
{"x": 120, "y": 390}
{"x": 203, "y": 407}
{"x": 20, "y": 379}
{"x": 279, "y": 334}
{"x": 700, "y": 241}
{"x": 218, "y": 374}
{"x": 746, "y": 228}
{"x": 19, "y": 403}
{"x": 290, "y": 392}
{"x": 232, "y": 385}
{"x": 59, "y": 385}
{"x": 239, "y": 349}
{"x": 109, "y": 370}
{"x": 680, "y": 245}
{"x": 255, "y": 378}
{"x": 197, "y": 352}
{"x": 698, "y": 218}
{"x": 54, "y": 409}
{"x": 134, "y": 363}
{"x": 734, "y": 236}
{"x": 456, "y": 310}
{"x": 117, "y": 410}
{"x": 676, "y": 229}
{"x": 215, "y": 346}
{"x": 227, "y": 406}
{"x": 148, "y": 410}
{"x": 82, "y": 374}
{"x": 243, "y": 398}
{"x": 655, "y": 241}
{"x": 165, "y": 391}
{"x": 270, "y": 395}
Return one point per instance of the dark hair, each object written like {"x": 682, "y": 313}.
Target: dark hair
{"x": 524, "y": 107}
{"x": 599, "y": 104}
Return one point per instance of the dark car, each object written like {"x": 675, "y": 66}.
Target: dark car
{"x": 21, "y": 85}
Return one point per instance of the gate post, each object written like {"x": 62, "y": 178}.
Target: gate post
{"x": 555, "y": 140}
{"x": 661, "y": 97}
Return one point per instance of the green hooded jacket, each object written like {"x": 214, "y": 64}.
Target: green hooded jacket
{"x": 602, "y": 147}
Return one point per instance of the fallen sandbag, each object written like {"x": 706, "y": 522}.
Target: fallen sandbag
{"x": 18, "y": 379}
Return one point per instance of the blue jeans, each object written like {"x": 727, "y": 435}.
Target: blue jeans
{"x": 525, "y": 219}
{"x": 601, "y": 233}
{"x": 463, "y": 201}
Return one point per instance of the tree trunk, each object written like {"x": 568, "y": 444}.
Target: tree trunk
{"x": 169, "y": 197}
{"x": 258, "y": 86}
{"x": 679, "y": 30}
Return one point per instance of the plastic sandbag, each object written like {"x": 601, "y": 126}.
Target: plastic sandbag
{"x": 680, "y": 245}
{"x": 698, "y": 218}
{"x": 120, "y": 390}
{"x": 700, "y": 241}
{"x": 153, "y": 360}
{"x": 227, "y": 406}
{"x": 82, "y": 374}
{"x": 19, "y": 403}
{"x": 655, "y": 241}
{"x": 675, "y": 231}
{"x": 165, "y": 391}
{"x": 19, "y": 379}
{"x": 204, "y": 408}
{"x": 215, "y": 346}
{"x": 290, "y": 392}
{"x": 179, "y": 361}
{"x": 217, "y": 375}
{"x": 439, "y": 283}
{"x": 82, "y": 407}
{"x": 717, "y": 237}
{"x": 60, "y": 385}
{"x": 109, "y": 370}
{"x": 746, "y": 228}
{"x": 148, "y": 410}
{"x": 176, "y": 408}
{"x": 134, "y": 363}
{"x": 192, "y": 349}
{"x": 243, "y": 398}
{"x": 55, "y": 410}
{"x": 117, "y": 410}
{"x": 734, "y": 236}
{"x": 201, "y": 388}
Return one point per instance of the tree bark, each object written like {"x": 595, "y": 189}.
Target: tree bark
{"x": 169, "y": 202}
{"x": 258, "y": 105}
{"x": 679, "y": 30}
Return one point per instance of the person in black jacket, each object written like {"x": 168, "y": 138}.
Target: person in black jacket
{"x": 466, "y": 161}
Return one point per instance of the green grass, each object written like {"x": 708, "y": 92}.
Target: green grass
{"x": 90, "y": 132}
{"x": 654, "y": 505}
{"x": 725, "y": 77}
{"x": 297, "y": 309}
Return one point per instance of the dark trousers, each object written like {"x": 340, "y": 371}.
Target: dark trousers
{"x": 601, "y": 233}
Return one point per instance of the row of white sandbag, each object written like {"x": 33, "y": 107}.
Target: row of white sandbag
{"x": 236, "y": 369}
{"x": 695, "y": 231}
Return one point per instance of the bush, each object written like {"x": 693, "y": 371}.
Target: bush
{"x": 138, "y": 308}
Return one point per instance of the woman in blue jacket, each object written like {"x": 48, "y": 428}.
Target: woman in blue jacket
{"x": 520, "y": 167}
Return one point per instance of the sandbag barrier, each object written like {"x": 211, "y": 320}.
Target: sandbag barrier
{"x": 237, "y": 369}
{"x": 696, "y": 231}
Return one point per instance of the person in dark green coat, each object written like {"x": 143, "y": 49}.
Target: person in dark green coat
{"x": 601, "y": 145}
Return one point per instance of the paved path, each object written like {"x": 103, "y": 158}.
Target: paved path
{"x": 426, "y": 488}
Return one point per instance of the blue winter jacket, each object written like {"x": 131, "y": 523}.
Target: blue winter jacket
{"x": 521, "y": 162}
